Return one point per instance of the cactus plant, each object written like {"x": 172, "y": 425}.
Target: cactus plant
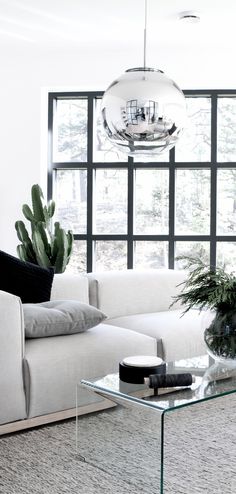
{"x": 47, "y": 247}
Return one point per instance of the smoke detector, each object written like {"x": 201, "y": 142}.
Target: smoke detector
{"x": 189, "y": 17}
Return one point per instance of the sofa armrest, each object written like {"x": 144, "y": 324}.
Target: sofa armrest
{"x": 70, "y": 287}
{"x": 11, "y": 358}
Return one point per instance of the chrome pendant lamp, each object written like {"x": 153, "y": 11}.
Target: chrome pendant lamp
{"x": 143, "y": 111}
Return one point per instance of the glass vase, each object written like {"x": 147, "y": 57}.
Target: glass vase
{"x": 220, "y": 337}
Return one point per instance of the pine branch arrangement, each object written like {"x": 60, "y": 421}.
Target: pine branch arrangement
{"x": 207, "y": 288}
{"x": 214, "y": 289}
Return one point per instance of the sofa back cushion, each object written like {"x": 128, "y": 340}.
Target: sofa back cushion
{"x": 70, "y": 287}
{"x": 122, "y": 293}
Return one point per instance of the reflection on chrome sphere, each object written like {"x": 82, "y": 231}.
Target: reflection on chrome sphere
{"x": 143, "y": 112}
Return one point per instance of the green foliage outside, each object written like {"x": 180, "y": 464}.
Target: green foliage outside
{"x": 48, "y": 246}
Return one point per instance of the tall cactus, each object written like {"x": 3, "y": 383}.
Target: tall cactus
{"x": 47, "y": 247}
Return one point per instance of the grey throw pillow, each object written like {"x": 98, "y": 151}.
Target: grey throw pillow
{"x": 59, "y": 317}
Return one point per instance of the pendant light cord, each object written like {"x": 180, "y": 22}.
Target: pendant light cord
{"x": 145, "y": 36}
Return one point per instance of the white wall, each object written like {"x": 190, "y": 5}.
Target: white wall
{"x": 25, "y": 78}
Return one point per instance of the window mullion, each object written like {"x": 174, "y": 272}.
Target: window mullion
{"x": 90, "y": 177}
{"x": 171, "y": 209}
{"x": 213, "y": 179}
{"x": 130, "y": 212}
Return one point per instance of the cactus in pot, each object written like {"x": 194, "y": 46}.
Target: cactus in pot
{"x": 48, "y": 246}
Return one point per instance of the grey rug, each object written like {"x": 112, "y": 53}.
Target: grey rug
{"x": 119, "y": 453}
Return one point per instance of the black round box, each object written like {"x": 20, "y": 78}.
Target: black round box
{"x": 136, "y": 375}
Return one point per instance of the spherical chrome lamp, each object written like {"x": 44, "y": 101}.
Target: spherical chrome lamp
{"x": 143, "y": 111}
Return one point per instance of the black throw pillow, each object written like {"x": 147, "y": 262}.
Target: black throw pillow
{"x": 26, "y": 280}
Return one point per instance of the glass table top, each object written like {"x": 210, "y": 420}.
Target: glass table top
{"x": 211, "y": 380}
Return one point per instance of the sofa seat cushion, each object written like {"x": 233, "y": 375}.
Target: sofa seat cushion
{"x": 181, "y": 337}
{"x": 59, "y": 317}
{"x": 53, "y": 366}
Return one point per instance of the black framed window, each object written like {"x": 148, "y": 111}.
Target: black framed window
{"x": 131, "y": 214}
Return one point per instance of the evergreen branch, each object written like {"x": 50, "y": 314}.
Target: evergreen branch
{"x": 207, "y": 287}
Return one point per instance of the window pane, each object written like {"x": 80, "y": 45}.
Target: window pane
{"x": 192, "y": 249}
{"x": 110, "y": 201}
{"x": 110, "y": 255}
{"x": 162, "y": 158}
{"x": 226, "y": 202}
{"x": 78, "y": 262}
{"x": 192, "y": 202}
{"x": 152, "y": 201}
{"x": 70, "y": 130}
{"x": 71, "y": 199}
{"x": 226, "y": 255}
{"x": 195, "y": 144}
{"x": 103, "y": 150}
{"x": 150, "y": 254}
{"x": 226, "y": 129}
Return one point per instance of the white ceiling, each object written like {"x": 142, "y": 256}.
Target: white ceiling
{"x": 113, "y": 24}
{"x": 86, "y": 44}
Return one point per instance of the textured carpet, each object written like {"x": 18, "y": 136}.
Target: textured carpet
{"x": 121, "y": 451}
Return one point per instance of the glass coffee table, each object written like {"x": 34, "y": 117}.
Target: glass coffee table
{"x": 160, "y": 419}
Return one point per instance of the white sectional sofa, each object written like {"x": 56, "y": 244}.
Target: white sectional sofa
{"x": 38, "y": 376}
